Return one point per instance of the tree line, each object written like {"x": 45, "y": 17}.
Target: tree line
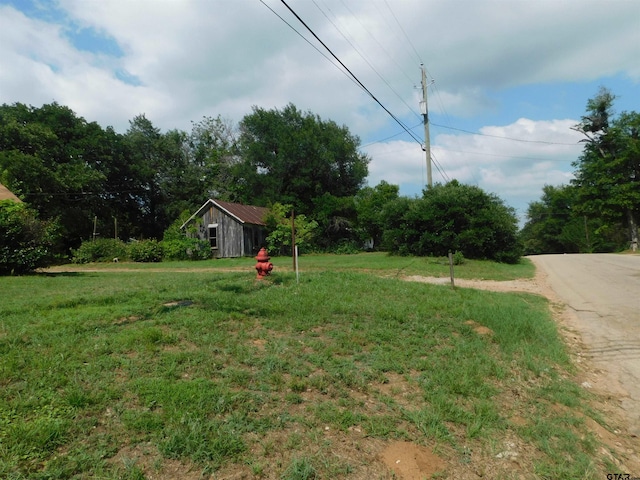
{"x": 599, "y": 210}
{"x": 86, "y": 181}
{"x": 83, "y": 181}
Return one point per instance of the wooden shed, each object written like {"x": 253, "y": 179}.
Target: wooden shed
{"x": 232, "y": 229}
{"x": 6, "y": 194}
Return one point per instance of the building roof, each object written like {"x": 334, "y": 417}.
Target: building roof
{"x": 6, "y": 194}
{"x": 242, "y": 213}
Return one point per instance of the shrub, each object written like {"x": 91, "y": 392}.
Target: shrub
{"x": 453, "y": 217}
{"x": 346, "y": 247}
{"x": 458, "y": 258}
{"x": 26, "y": 243}
{"x": 186, "y": 248}
{"x": 99, "y": 250}
{"x": 145, "y": 251}
{"x": 279, "y": 227}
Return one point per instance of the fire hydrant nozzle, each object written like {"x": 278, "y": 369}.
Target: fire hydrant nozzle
{"x": 264, "y": 266}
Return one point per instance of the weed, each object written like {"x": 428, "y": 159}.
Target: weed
{"x": 300, "y": 469}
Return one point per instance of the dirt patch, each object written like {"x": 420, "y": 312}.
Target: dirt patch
{"x": 409, "y": 461}
{"x": 146, "y": 458}
{"x": 535, "y": 285}
{"x": 479, "y": 329}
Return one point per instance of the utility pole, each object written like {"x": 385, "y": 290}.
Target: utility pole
{"x": 424, "y": 109}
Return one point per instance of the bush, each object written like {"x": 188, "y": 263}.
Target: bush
{"x": 145, "y": 251}
{"x": 453, "y": 217}
{"x": 26, "y": 243}
{"x": 458, "y": 258}
{"x": 279, "y": 227}
{"x": 100, "y": 250}
{"x": 186, "y": 248}
{"x": 346, "y": 247}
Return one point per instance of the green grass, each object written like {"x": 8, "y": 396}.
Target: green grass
{"x": 374, "y": 262}
{"x": 219, "y": 371}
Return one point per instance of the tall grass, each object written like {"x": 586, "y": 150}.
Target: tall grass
{"x": 207, "y": 366}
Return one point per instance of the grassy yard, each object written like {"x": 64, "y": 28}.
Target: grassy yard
{"x": 376, "y": 263}
{"x": 180, "y": 371}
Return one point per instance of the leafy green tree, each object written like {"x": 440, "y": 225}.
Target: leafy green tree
{"x": 370, "y": 203}
{"x": 279, "y": 236}
{"x": 336, "y": 218}
{"x": 608, "y": 171}
{"x": 551, "y": 223}
{"x": 213, "y": 152}
{"x": 178, "y": 245}
{"x": 144, "y": 148}
{"x": 26, "y": 243}
{"x": 52, "y": 159}
{"x": 555, "y": 224}
{"x": 295, "y": 158}
{"x": 453, "y": 217}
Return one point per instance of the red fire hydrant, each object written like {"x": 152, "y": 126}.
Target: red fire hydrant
{"x": 264, "y": 266}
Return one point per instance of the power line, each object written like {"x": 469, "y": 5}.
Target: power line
{"x": 359, "y": 51}
{"x": 440, "y": 168}
{"x": 353, "y": 76}
{"x": 404, "y": 127}
{"x": 502, "y": 137}
{"x": 389, "y": 137}
{"x": 307, "y": 40}
{"x": 403, "y": 31}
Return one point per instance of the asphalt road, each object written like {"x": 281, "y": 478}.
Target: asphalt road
{"x": 604, "y": 292}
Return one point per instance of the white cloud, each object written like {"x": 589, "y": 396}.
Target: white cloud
{"x": 515, "y": 170}
{"x": 192, "y": 58}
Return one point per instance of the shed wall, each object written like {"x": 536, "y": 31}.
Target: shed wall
{"x": 234, "y": 238}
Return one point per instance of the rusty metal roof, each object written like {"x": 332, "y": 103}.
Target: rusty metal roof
{"x": 6, "y": 194}
{"x": 243, "y": 213}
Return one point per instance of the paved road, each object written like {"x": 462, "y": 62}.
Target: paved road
{"x": 604, "y": 292}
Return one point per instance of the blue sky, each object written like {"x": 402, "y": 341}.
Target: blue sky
{"x": 510, "y": 77}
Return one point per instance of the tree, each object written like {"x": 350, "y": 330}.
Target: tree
{"x": 53, "y": 159}
{"x": 608, "y": 171}
{"x": 295, "y": 158}
{"x": 453, "y": 217}
{"x": 370, "y": 203}
{"x": 26, "y": 243}
{"x": 551, "y": 223}
{"x": 555, "y": 224}
{"x": 278, "y": 223}
{"x": 213, "y": 152}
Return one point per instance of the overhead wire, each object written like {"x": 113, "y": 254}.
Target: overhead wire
{"x": 360, "y": 51}
{"x": 353, "y": 77}
{"x": 396, "y": 119}
{"x": 357, "y": 49}
{"x": 502, "y": 137}
{"x": 349, "y": 74}
{"x": 307, "y": 40}
{"x": 403, "y": 31}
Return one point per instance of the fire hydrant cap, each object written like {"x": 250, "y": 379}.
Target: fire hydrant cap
{"x": 263, "y": 256}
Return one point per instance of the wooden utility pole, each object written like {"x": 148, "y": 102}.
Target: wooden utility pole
{"x": 424, "y": 109}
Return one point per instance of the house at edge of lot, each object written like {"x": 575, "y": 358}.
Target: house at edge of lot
{"x": 6, "y": 194}
{"x": 232, "y": 229}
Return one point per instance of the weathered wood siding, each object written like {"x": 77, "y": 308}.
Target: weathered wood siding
{"x": 234, "y": 239}
{"x": 254, "y": 239}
